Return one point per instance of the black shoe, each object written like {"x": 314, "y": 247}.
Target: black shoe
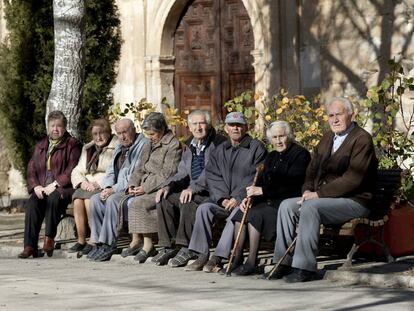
{"x": 213, "y": 265}
{"x": 76, "y": 248}
{"x": 245, "y": 269}
{"x": 300, "y": 275}
{"x": 86, "y": 250}
{"x": 106, "y": 254}
{"x": 101, "y": 249}
{"x": 142, "y": 255}
{"x": 93, "y": 251}
{"x": 198, "y": 264}
{"x": 131, "y": 251}
{"x": 182, "y": 258}
{"x": 164, "y": 255}
{"x": 278, "y": 274}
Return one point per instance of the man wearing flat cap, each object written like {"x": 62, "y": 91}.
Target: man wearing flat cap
{"x": 230, "y": 170}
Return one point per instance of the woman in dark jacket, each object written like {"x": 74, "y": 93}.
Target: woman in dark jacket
{"x": 282, "y": 177}
{"x": 49, "y": 184}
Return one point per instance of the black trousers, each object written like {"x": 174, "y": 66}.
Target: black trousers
{"x": 51, "y": 208}
{"x": 176, "y": 220}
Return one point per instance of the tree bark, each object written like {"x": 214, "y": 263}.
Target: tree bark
{"x": 68, "y": 72}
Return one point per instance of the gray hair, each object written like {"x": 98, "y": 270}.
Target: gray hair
{"x": 155, "y": 121}
{"x": 199, "y": 112}
{"x": 57, "y": 115}
{"x": 131, "y": 124}
{"x": 282, "y": 124}
{"x": 347, "y": 103}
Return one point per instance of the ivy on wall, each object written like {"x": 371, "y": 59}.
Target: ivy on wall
{"x": 26, "y": 68}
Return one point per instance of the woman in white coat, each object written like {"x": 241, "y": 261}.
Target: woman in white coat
{"x": 88, "y": 175}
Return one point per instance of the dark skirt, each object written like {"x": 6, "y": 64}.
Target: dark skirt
{"x": 262, "y": 216}
{"x": 83, "y": 194}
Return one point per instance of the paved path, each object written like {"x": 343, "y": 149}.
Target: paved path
{"x": 62, "y": 283}
{"x": 77, "y": 284}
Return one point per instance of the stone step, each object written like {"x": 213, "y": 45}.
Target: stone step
{"x": 8, "y": 221}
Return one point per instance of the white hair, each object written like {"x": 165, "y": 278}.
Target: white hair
{"x": 347, "y": 103}
{"x": 282, "y": 124}
{"x": 199, "y": 112}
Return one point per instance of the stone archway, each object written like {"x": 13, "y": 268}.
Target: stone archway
{"x": 160, "y": 59}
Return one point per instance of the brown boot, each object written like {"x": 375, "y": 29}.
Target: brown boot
{"x": 49, "y": 246}
{"x": 27, "y": 252}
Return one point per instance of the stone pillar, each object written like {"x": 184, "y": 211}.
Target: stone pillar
{"x": 159, "y": 71}
{"x": 289, "y": 40}
{"x": 261, "y": 72}
{"x": 130, "y": 82}
{"x": 167, "y": 69}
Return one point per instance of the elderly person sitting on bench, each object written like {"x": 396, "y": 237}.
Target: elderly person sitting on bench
{"x": 283, "y": 176}
{"x": 88, "y": 176}
{"x": 158, "y": 162}
{"x": 338, "y": 187}
{"x": 231, "y": 169}
{"x": 49, "y": 184}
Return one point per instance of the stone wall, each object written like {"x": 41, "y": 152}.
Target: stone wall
{"x": 345, "y": 45}
{"x": 307, "y": 46}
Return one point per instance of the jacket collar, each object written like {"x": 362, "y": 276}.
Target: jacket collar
{"x": 45, "y": 142}
{"x": 244, "y": 143}
{"x": 207, "y": 140}
{"x": 118, "y": 145}
{"x": 166, "y": 139}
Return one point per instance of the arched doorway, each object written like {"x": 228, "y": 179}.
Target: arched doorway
{"x": 213, "y": 62}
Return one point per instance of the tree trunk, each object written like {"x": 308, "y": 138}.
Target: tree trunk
{"x": 68, "y": 71}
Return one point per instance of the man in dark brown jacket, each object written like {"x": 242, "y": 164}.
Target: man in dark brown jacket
{"x": 338, "y": 187}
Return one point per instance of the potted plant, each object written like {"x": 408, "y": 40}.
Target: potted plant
{"x": 394, "y": 142}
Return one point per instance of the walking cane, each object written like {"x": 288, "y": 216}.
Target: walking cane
{"x": 289, "y": 249}
{"x": 259, "y": 169}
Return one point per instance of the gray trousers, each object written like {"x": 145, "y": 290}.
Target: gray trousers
{"x": 201, "y": 237}
{"x": 313, "y": 213}
{"x": 104, "y": 218}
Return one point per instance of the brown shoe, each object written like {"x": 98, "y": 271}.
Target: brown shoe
{"x": 27, "y": 252}
{"x": 49, "y": 246}
{"x": 198, "y": 264}
{"x": 213, "y": 265}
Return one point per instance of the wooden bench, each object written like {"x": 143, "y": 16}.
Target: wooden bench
{"x": 338, "y": 239}
{"x": 385, "y": 195}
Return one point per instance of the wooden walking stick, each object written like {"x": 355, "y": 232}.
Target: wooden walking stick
{"x": 259, "y": 169}
{"x": 289, "y": 249}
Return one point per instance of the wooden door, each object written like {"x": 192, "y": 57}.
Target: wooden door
{"x": 212, "y": 46}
